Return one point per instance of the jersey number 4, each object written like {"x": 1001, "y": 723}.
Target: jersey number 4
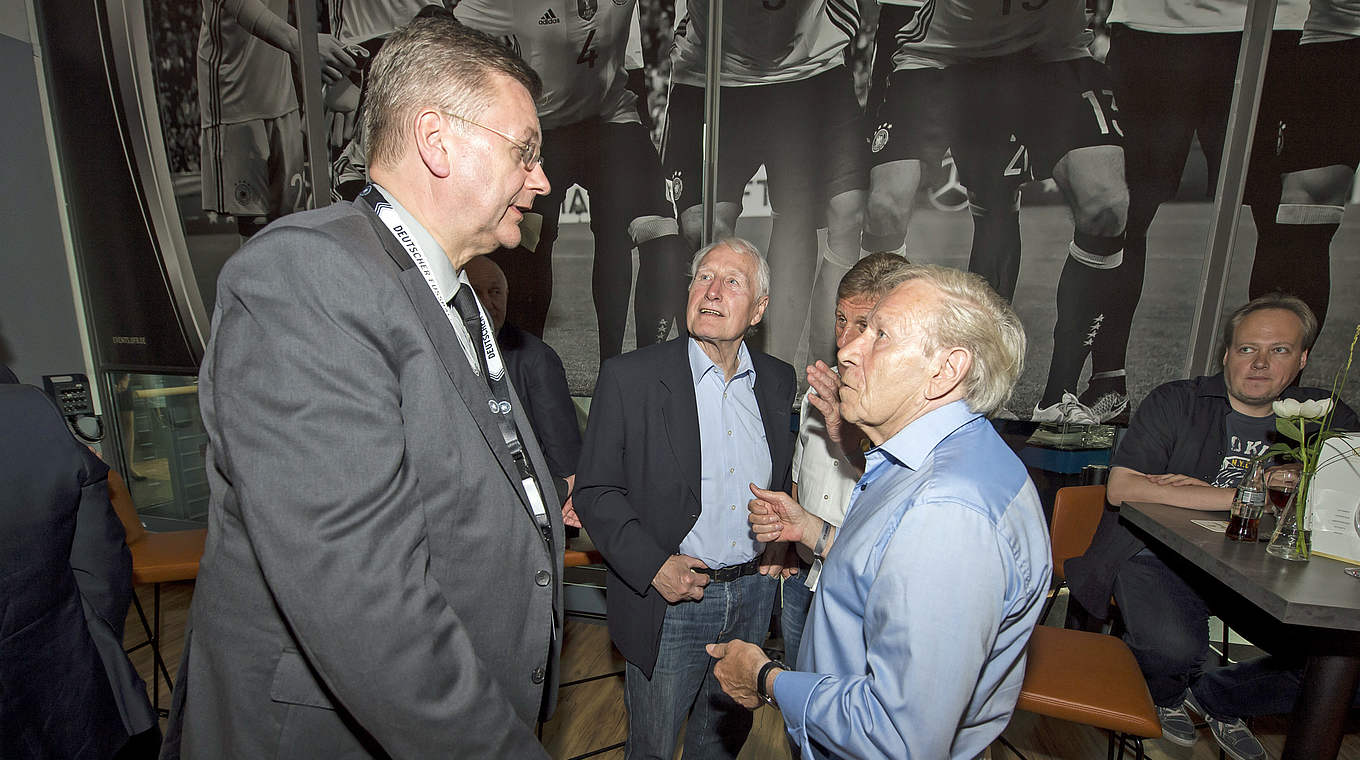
{"x": 588, "y": 54}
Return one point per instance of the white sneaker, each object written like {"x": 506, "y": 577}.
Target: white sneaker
{"x": 1069, "y": 410}
{"x": 1110, "y": 405}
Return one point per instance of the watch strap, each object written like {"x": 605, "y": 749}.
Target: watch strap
{"x": 760, "y": 680}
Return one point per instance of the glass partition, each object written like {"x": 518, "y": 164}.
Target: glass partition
{"x": 158, "y": 434}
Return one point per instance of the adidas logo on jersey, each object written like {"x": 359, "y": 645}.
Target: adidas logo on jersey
{"x": 549, "y": 17}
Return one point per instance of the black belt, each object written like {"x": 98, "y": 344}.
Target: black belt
{"x": 731, "y": 572}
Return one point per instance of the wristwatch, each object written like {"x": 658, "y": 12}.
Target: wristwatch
{"x": 760, "y": 680}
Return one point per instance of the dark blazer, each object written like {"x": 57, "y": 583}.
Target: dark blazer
{"x": 637, "y": 489}
{"x": 536, "y": 370}
{"x": 374, "y": 583}
{"x": 67, "y": 690}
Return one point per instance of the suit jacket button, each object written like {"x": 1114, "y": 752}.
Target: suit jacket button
{"x": 538, "y": 675}
{"x": 542, "y": 577}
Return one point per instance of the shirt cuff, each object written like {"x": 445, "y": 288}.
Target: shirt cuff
{"x": 792, "y": 692}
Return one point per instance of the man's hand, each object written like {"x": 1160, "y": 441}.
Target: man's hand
{"x": 738, "y": 664}
{"x": 569, "y": 516}
{"x": 778, "y": 559}
{"x": 336, "y": 61}
{"x": 826, "y": 396}
{"x": 775, "y": 516}
{"x": 677, "y": 581}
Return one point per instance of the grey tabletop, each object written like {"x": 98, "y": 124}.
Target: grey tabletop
{"x": 1315, "y": 593}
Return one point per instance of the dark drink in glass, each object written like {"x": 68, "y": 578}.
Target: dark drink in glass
{"x": 1243, "y": 528}
{"x": 1279, "y": 497}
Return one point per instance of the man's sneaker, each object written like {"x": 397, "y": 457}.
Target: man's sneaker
{"x": 1068, "y": 410}
{"x": 1177, "y": 727}
{"x": 1233, "y": 737}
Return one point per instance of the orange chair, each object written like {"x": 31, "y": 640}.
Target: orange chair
{"x": 156, "y": 558}
{"x": 1076, "y": 515}
{"x": 1088, "y": 678}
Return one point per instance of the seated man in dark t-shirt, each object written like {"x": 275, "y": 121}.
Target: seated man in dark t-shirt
{"x": 1188, "y": 445}
{"x": 536, "y": 372}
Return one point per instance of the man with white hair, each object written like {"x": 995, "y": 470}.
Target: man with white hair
{"x": 678, "y": 432}
{"x": 945, "y": 525}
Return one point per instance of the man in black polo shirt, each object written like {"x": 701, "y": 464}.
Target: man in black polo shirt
{"x": 1188, "y": 445}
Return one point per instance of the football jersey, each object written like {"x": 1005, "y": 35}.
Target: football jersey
{"x": 1332, "y": 21}
{"x": 577, "y": 47}
{"x": 765, "y": 41}
{"x": 950, "y": 32}
{"x": 240, "y": 76}
{"x": 1200, "y": 16}
{"x": 355, "y": 21}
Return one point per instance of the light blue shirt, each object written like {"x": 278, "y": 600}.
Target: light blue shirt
{"x": 915, "y": 645}
{"x": 733, "y": 454}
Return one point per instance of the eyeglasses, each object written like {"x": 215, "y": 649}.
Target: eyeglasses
{"x": 529, "y": 155}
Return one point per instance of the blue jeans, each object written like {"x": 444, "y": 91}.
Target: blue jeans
{"x": 1166, "y": 625}
{"x": 1263, "y": 686}
{"x": 796, "y": 599}
{"x": 683, "y": 676}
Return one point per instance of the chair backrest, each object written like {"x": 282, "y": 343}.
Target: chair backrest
{"x": 127, "y": 511}
{"x": 1076, "y": 515}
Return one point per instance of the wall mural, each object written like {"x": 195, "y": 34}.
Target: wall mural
{"x": 1068, "y": 157}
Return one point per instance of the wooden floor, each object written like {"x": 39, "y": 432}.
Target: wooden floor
{"x": 590, "y": 715}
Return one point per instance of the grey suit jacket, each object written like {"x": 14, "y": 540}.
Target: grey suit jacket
{"x": 374, "y": 584}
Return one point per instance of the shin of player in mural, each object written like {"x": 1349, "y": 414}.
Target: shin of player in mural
{"x": 593, "y": 136}
{"x": 995, "y": 81}
{"x": 787, "y": 102}
{"x": 251, "y": 141}
{"x": 1303, "y": 158}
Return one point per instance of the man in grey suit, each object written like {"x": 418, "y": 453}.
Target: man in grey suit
{"x": 381, "y": 572}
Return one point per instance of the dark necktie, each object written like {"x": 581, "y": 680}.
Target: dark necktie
{"x": 466, "y": 304}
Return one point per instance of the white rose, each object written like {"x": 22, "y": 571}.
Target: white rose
{"x": 1286, "y": 407}
{"x": 1315, "y": 409}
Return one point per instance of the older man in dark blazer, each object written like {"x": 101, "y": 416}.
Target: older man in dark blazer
{"x": 677, "y": 434}
{"x": 67, "y": 689}
{"x": 381, "y": 572}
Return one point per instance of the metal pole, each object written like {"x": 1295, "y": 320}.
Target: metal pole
{"x": 318, "y": 150}
{"x": 1251, "y": 69}
{"x": 712, "y": 93}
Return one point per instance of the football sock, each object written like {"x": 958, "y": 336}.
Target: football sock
{"x": 996, "y": 242}
{"x": 821, "y": 335}
{"x": 1110, "y": 348}
{"x": 611, "y": 283}
{"x": 1090, "y": 272}
{"x": 870, "y": 243}
{"x": 661, "y": 287}
{"x": 1293, "y": 254}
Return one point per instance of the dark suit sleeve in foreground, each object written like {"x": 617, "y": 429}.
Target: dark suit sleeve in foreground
{"x": 309, "y": 417}
{"x": 603, "y": 498}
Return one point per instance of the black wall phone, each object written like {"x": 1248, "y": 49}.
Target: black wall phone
{"x": 71, "y": 394}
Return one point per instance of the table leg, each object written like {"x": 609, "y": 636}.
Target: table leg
{"x": 1329, "y": 683}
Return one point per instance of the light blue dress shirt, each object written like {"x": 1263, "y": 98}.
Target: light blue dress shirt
{"x": 733, "y": 453}
{"x": 915, "y": 645}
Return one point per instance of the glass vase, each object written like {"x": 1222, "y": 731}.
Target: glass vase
{"x": 1293, "y": 536}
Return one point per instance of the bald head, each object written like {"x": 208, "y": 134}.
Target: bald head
{"x": 488, "y": 282}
